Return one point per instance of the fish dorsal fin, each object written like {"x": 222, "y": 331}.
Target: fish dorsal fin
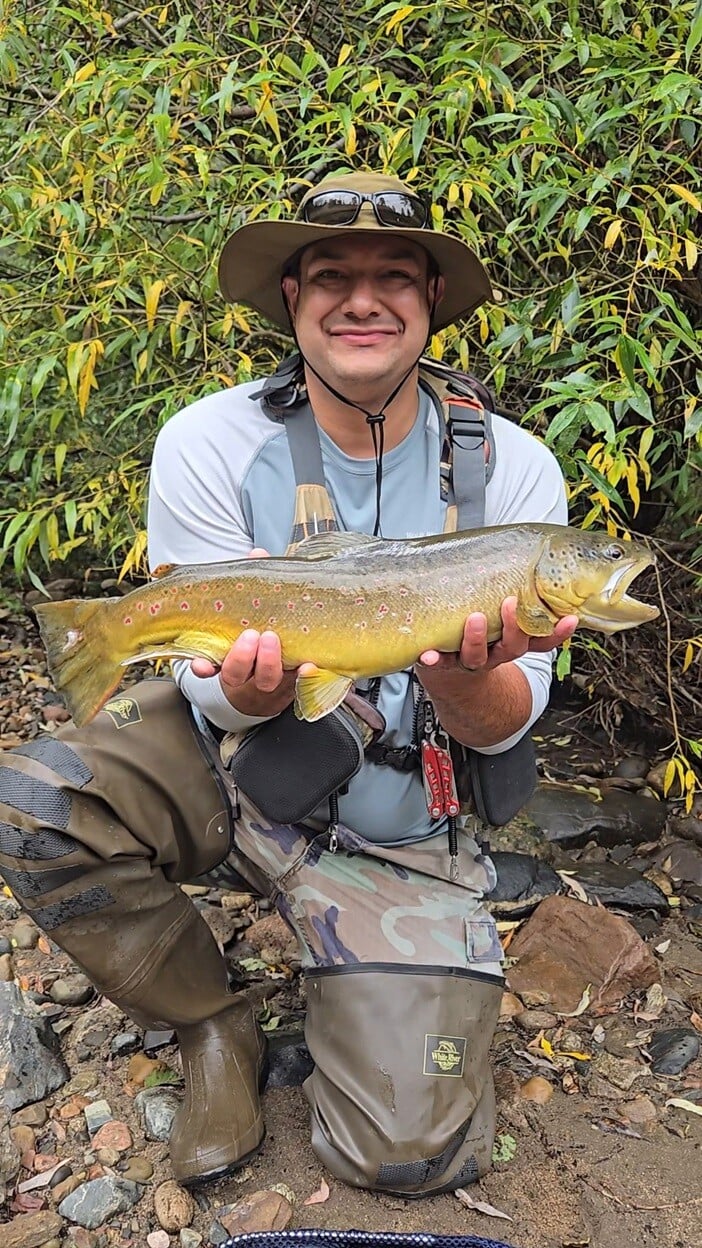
{"x": 327, "y": 545}
{"x": 163, "y": 569}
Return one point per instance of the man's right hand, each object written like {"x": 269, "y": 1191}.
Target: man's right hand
{"x": 251, "y": 674}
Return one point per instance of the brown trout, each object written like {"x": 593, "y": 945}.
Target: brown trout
{"x": 353, "y": 605}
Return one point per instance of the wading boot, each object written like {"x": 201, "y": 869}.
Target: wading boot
{"x": 219, "y": 1126}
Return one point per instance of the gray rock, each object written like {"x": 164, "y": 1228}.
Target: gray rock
{"x": 155, "y": 1040}
{"x": 25, "y": 934}
{"x": 672, "y": 1050}
{"x": 522, "y": 882}
{"x": 617, "y": 886}
{"x": 9, "y": 1156}
{"x": 190, "y": 1238}
{"x": 31, "y": 1065}
{"x": 73, "y": 990}
{"x": 157, "y": 1107}
{"x": 96, "y": 1115}
{"x": 94, "y": 1203}
{"x": 125, "y": 1043}
{"x": 573, "y": 818}
{"x": 5, "y": 945}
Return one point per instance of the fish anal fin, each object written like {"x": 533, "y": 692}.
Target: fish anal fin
{"x": 319, "y": 693}
{"x": 191, "y": 645}
{"x": 327, "y": 545}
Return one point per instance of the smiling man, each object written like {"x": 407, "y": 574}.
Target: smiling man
{"x": 401, "y": 958}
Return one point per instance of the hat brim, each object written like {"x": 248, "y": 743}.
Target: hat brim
{"x": 252, "y": 261}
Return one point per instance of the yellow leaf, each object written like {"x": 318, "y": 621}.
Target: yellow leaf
{"x": 351, "y": 140}
{"x": 398, "y": 17}
{"x": 453, "y": 193}
{"x": 163, "y": 16}
{"x": 689, "y": 655}
{"x": 85, "y": 71}
{"x": 691, "y": 253}
{"x": 152, "y": 296}
{"x": 687, "y": 195}
{"x": 344, "y": 54}
{"x": 613, "y": 232}
{"x": 633, "y": 485}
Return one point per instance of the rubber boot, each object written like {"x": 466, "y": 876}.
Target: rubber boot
{"x": 402, "y": 1096}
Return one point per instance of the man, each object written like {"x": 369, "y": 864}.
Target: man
{"x": 401, "y": 960}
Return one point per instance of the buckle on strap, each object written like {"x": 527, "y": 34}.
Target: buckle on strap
{"x": 405, "y": 758}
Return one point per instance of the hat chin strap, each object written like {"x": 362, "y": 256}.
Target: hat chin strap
{"x": 375, "y": 420}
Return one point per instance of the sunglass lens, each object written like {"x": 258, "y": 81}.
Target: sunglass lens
{"x": 332, "y": 208}
{"x": 393, "y": 208}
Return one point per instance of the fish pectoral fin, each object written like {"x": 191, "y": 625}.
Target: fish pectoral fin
{"x": 533, "y": 617}
{"x": 163, "y": 569}
{"x": 327, "y": 545}
{"x": 185, "y": 646}
{"x": 319, "y": 693}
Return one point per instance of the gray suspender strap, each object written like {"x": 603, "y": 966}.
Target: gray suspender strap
{"x": 466, "y": 432}
{"x": 305, "y": 447}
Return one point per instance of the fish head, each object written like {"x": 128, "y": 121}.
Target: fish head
{"x": 588, "y": 574}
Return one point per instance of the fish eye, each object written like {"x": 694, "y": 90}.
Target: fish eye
{"x": 613, "y": 552}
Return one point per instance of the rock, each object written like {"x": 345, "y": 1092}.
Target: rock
{"x": 157, "y": 1107}
{"x": 137, "y": 1168}
{"x": 261, "y": 1211}
{"x": 25, "y": 934}
{"x": 7, "y": 970}
{"x": 66, "y": 1186}
{"x": 96, "y": 1113}
{"x": 237, "y": 901}
{"x": 566, "y": 945}
{"x": 682, "y": 861}
{"x": 31, "y": 1065}
{"x": 522, "y": 882}
{"x": 107, "y": 1157}
{"x": 640, "y": 1111}
{"x": 125, "y": 1043}
{"x": 60, "y": 1174}
{"x": 32, "y": 1115}
{"x": 618, "y": 1071}
{"x": 72, "y": 990}
{"x": 157, "y": 1239}
{"x": 618, "y": 886}
{"x": 271, "y": 933}
{"x": 31, "y": 1230}
{"x": 510, "y": 1005}
{"x": 537, "y": 1090}
{"x": 535, "y": 1020}
{"x": 634, "y": 767}
{"x": 78, "y": 1237}
{"x": 5, "y": 945}
{"x": 9, "y": 1153}
{"x": 190, "y": 1238}
{"x": 672, "y": 1050}
{"x": 572, "y": 818}
{"x": 289, "y": 1065}
{"x": 114, "y": 1136}
{"x": 23, "y": 1138}
{"x": 224, "y": 924}
{"x": 174, "y": 1207}
{"x": 82, "y": 1082}
{"x": 93, "y": 1203}
{"x": 155, "y": 1040}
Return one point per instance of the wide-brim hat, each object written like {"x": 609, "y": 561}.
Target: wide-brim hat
{"x": 254, "y": 258}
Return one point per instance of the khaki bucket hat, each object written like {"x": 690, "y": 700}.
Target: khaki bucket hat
{"x": 254, "y": 258}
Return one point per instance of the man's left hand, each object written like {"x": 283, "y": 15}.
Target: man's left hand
{"x": 476, "y": 655}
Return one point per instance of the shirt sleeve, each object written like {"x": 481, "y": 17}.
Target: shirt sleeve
{"x": 195, "y": 516}
{"x": 527, "y": 486}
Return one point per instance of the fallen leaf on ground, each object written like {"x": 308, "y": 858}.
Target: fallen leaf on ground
{"x": 679, "y": 1103}
{"x": 580, "y": 1008}
{"x": 318, "y": 1197}
{"x": 43, "y": 945}
{"x": 536, "y": 1089}
{"x": 696, "y": 1021}
{"x": 40, "y": 1180}
{"x": 573, "y": 886}
{"x": 663, "y": 947}
{"x": 480, "y": 1206}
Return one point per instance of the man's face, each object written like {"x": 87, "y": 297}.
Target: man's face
{"x": 361, "y": 307}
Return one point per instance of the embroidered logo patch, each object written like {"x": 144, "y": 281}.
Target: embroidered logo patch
{"x": 123, "y": 711}
{"x": 444, "y": 1055}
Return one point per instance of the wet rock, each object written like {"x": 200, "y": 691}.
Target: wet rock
{"x": 93, "y": 1203}
{"x": 572, "y": 818}
{"x": 682, "y": 861}
{"x": 97, "y": 1113}
{"x": 634, "y": 767}
{"x": 72, "y": 990}
{"x": 522, "y": 882}
{"x": 672, "y": 1050}
{"x": 618, "y": 886}
{"x": 289, "y": 1066}
{"x": 155, "y": 1040}
{"x": 124, "y": 1043}
{"x": 31, "y": 1230}
{"x": 7, "y": 969}
{"x": 566, "y": 945}
{"x": 174, "y": 1207}
{"x": 157, "y": 1107}
{"x": 25, "y": 935}
{"x": 31, "y": 1065}
{"x": 137, "y": 1168}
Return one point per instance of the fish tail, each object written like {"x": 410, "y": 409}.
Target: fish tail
{"x": 79, "y": 655}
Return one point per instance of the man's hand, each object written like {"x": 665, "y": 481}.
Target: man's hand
{"x": 476, "y": 656}
{"x": 480, "y": 696}
{"x": 252, "y": 675}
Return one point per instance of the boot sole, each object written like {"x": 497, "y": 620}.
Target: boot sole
{"x": 223, "y": 1172}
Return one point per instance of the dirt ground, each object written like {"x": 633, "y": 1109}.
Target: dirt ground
{"x": 582, "y": 1168}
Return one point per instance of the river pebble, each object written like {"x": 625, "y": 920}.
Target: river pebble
{"x": 93, "y": 1203}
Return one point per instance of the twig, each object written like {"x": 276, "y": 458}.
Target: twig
{"x": 627, "y": 1204}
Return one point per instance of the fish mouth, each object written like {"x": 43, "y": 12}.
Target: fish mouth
{"x": 612, "y": 609}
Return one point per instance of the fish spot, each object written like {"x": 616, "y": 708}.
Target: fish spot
{"x": 204, "y": 587}
{"x": 155, "y": 608}
{"x": 444, "y": 580}
{"x": 319, "y": 606}
{"x": 403, "y": 591}
{"x": 359, "y": 601}
{"x": 140, "y": 606}
{"x": 255, "y": 602}
{"x": 363, "y": 624}
{"x": 272, "y": 619}
{"x": 409, "y": 617}
{"x": 291, "y": 606}
{"x": 240, "y": 585}
{"x": 306, "y": 597}
{"x": 244, "y": 623}
{"x": 382, "y": 610}
{"x": 127, "y": 619}
{"x": 304, "y": 628}
{"x": 185, "y": 606}
{"x": 219, "y": 605}
{"x": 277, "y": 589}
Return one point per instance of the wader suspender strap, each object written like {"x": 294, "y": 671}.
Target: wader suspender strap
{"x": 465, "y": 427}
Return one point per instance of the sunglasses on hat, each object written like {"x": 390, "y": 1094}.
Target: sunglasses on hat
{"x": 393, "y": 208}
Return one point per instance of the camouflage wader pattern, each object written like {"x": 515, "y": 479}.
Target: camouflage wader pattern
{"x": 402, "y": 965}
